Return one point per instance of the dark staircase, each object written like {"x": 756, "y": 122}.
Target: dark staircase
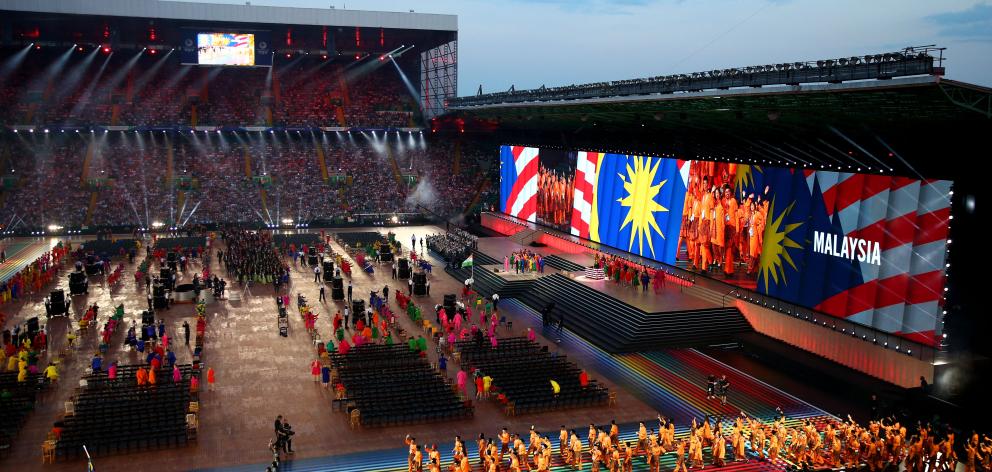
{"x": 617, "y": 327}
{"x": 562, "y": 264}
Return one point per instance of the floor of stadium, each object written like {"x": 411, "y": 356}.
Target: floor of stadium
{"x": 261, "y": 375}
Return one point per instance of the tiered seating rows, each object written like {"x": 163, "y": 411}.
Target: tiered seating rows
{"x": 392, "y": 385}
{"x": 523, "y": 371}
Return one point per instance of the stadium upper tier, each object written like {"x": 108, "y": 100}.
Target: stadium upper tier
{"x": 128, "y": 88}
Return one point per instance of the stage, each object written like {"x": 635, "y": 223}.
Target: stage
{"x": 669, "y": 298}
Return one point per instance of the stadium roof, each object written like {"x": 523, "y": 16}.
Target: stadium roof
{"x": 897, "y": 125}
{"x": 238, "y": 13}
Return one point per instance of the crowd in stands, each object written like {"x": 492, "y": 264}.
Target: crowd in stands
{"x": 454, "y": 246}
{"x": 104, "y": 90}
{"x": 126, "y": 176}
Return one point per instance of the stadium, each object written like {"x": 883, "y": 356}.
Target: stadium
{"x": 217, "y": 216}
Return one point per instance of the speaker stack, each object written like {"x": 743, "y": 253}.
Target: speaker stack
{"x": 166, "y": 278}
{"x": 328, "y": 271}
{"x": 337, "y": 288}
{"x": 312, "y": 256}
{"x": 449, "y": 303}
{"x": 158, "y": 296}
{"x": 403, "y": 268}
{"x": 171, "y": 260}
{"x": 32, "y": 326}
{"x": 385, "y": 254}
{"x": 420, "y": 284}
{"x": 357, "y": 307}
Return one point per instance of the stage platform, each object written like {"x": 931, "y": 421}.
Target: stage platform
{"x": 670, "y": 298}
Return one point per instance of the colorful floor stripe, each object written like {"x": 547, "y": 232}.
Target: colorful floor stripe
{"x": 19, "y": 255}
{"x": 672, "y": 381}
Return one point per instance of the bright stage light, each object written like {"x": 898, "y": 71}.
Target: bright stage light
{"x": 157, "y": 224}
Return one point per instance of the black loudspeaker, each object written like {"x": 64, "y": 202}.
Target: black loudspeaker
{"x": 337, "y": 294}
{"x": 385, "y": 254}
{"x": 90, "y": 259}
{"x": 33, "y": 325}
{"x": 419, "y": 284}
{"x": 312, "y": 260}
{"x": 357, "y": 307}
{"x": 77, "y": 277}
{"x": 170, "y": 257}
{"x": 449, "y": 303}
{"x": 158, "y": 290}
{"x": 160, "y": 303}
{"x": 312, "y": 251}
{"x": 328, "y": 271}
{"x": 147, "y": 318}
{"x": 403, "y": 263}
{"x": 57, "y": 297}
{"x": 337, "y": 283}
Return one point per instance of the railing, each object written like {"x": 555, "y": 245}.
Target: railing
{"x": 907, "y": 62}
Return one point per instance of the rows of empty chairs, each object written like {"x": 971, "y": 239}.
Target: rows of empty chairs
{"x": 391, "y": 385}
{"x": 111, "y": 416}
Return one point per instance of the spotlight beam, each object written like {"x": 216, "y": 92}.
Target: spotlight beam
{"x": 74, "y": 75}
{"x": 85, "y": 97}
{"x": 12, "y": 63}
{"x": 139, "y": 84}
{"x": 849, "y": 140}
{"x": 409, "y": 86}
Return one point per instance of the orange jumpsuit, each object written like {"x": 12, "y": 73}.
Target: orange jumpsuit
{"x": 705, "y": 229}
{"x": 757, "y": 232}
{"x": 730, "y": 233}
{"x": 719, "y": 229}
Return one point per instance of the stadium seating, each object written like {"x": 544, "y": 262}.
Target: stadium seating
{"x": 523, "y": 371}
{"x": 391, "y": 385}
{"x": 126, "y": 182}
{"x": 618, "y": 327}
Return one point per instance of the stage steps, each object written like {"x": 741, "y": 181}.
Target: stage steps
{"x": 525, "y": 236}
{"x": 618, "y": 327}
{"x": 561, "y": 263}
{"x": 709, "y": 295}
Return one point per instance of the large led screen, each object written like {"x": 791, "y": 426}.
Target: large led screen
{"x": 225, "y": 49}
{"x": 864, "y": 247}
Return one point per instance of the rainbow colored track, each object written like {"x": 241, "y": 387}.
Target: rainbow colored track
{"x": 19, "y": 255}
{"x": 673, "y": 381}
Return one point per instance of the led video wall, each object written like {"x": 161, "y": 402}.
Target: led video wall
{"x": 867, "y": 248}
{"x": 227, "y": 49}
